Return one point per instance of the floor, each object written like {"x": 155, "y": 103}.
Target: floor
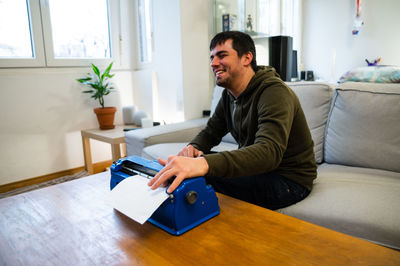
{"x": 44, "y": 184}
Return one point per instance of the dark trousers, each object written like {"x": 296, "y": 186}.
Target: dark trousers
{"x": 269, "y": 190}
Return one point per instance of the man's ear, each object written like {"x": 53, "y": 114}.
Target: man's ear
{"x": 247, "y": 58}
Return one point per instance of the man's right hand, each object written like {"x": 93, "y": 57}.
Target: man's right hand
{"x": 190, "y": 151}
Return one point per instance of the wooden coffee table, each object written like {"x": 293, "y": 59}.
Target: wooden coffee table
{"x": 70, "y": 224}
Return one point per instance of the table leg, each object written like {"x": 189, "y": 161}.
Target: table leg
{"x": 116, "y": 152}
{"x": 124, "y": 153}
{"x": 87, "y": 154}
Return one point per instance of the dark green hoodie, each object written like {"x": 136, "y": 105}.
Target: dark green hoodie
{"x": 270, "y": 128}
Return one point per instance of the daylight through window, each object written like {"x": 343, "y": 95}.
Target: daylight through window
{"x": 46, "y": 33}
{"x": 86, "y": 35}
{"x": 15, "y": 32}
{"x": 145, "y": 32}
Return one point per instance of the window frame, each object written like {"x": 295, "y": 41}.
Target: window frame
{"x": 41, "y": 36}
{"x": 38, "y": 59}
{"x": 140, "y": 64}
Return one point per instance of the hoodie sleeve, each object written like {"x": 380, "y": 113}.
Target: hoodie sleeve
{"x": 215, "y": 129}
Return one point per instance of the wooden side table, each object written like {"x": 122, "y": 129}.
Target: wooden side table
{"x": 115, "y": 137}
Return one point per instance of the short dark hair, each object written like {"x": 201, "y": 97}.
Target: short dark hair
{"x": 241, "y": 42}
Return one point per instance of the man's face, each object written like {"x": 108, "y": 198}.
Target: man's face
{"x": 226, "y": 65}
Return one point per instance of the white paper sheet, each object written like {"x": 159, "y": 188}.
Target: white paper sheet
{"x": 134, "y": 198}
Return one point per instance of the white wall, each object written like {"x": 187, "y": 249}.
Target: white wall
{"x": 167, "y": 59}
{"x": 195, "y": 59}
{"x": 43, "y": 111}
{"x": 144, "y": 95}
{"x": 330, "y": 49}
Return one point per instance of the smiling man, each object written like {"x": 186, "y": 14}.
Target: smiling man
{"x": 274, "y": 165}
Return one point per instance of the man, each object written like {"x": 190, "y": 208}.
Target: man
{"x": 274, "y": 166}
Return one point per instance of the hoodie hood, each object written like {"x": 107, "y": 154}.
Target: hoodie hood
{"x": 264, "y": 74}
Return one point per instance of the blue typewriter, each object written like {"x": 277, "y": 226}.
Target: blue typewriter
{"x": 190, "y": 204}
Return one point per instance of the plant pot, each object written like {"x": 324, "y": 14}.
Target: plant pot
{"x": 105, "y": 116}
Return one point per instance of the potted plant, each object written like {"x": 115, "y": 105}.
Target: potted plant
{"x": 100, "y": 87}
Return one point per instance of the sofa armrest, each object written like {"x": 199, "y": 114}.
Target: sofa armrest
{"x": 136, "y": 140}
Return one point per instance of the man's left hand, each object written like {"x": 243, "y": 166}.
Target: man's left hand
{"x": 180, "y": 167}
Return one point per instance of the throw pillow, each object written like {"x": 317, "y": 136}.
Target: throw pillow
{"x": 378, "y": 74}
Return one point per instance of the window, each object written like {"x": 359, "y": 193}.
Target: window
{"x": 15, "y": 42}
{"x": 21, "y": 39}
{"x": 269, "y": 20}
{"x": 280, "y": 18}
{"x": 259, "y": 18}
{"x": 84, "y": 36}
{"x": 145, "y": 31}
{"x": 58, "y": 32}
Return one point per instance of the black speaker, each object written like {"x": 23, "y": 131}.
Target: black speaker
{"x": 307, "y": 75}
{"x": 295, "y": 73}
{"x": 280, "y": 55}
{"x": 302, "y": 75}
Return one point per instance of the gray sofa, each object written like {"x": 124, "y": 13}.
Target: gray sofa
{"x": 356, "y": 133}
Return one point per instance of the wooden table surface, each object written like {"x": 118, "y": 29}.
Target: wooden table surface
{"x": 70, "y": 224}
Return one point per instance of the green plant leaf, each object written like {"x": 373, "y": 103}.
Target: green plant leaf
{"x": 109, "y": 67}
{"x": 98, "y": 83}
{"x": 93, "y": 85}
{"x": 107, "y": 71}
{"x": 96, "y": 70}
{"x": 84, "y": 79}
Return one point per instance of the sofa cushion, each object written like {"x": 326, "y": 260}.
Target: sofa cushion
{"x": 136, "y": 140}
{"x": 363, "y": 128}
{"x": 215, "y": 98}
{"x": 164, "y": 150}
{"x": 358, "y": 201}
{"x": 372, "y": 87}
{"x": 315, "y": 99}
{"x": 229, "y": 138}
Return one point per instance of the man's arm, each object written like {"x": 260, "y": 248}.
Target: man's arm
{"x": 216, "y": 128}
{"x": 190, "y": 151}
{"x": 189, "y": 162}
{"x": 182, "y": 168}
